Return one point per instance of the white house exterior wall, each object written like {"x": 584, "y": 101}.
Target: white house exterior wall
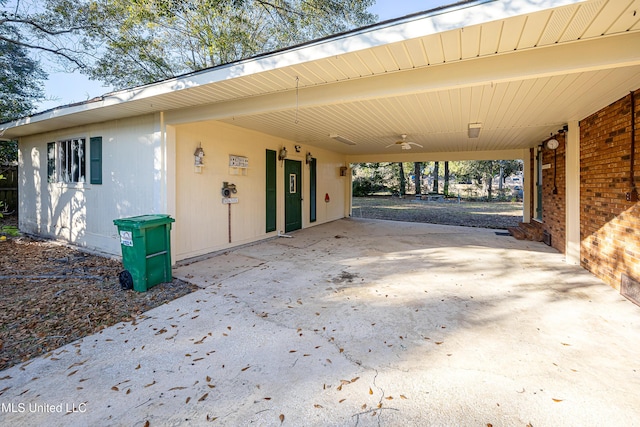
{"x": 202, "y": 220}
{"x": 83, "y": 213}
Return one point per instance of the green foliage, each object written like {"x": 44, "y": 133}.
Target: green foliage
{"x": 150, "y": 40}
{"x": 374, "y": 177}
{"x": 8, "y": 152}
{"x": 20, "y": 78}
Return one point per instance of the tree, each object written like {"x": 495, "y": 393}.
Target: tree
{"x": 436, "y": 172}
{"x": 150, "y": 40}
{"x": 417, "y": 174}
{"x": 20, "y": 77}
{"x": 446, "y": 178}
{"x": 47, "y": 26}
{"x": 403, "y": 181}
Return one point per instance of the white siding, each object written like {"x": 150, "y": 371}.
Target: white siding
{"x": 83, "y": 214}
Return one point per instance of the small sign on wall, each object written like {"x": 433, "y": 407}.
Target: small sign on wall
{"x": 238, "y": 161}
{"x": 229, "y": 200}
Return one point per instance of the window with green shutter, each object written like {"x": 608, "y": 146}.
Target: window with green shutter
{"x": 95, "y": 156}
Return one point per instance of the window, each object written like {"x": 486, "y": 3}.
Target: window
{"x": 69, "y": 158}
{"x": 72, "y": 160}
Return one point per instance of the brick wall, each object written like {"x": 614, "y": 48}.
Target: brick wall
{"x": 553, "y": 202}
{"x": 609, "y": 225}
{"x": 553, "y": 205}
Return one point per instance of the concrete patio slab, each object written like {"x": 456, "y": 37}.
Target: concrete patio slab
{"x": 356, "y": 322}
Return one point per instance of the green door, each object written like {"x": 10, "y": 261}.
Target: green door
{"x": 292, "y": 195}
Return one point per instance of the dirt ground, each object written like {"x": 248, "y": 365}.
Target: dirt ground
{"x": 53, "y": 295}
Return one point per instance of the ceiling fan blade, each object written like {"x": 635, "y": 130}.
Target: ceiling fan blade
{"x": 416, "y": 144}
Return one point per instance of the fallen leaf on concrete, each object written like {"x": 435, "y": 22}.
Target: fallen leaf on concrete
{"x": 204, "y": 396}
{"x": 318, "y": 406}
{"x": 342, "y": 400}
{"x": 114, "y": 388}
{"x": 281, "y": 418}
{"x": 210, "y": 418}
{"x": 147, "y": 423}
{"x": 370, "y": 391}
{"x": 557, "y": 400}
{"x": 402, "y": 396}
{"x": 245, "y": 368}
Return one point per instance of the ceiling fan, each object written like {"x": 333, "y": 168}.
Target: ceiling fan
{"x": 406, "y": 145}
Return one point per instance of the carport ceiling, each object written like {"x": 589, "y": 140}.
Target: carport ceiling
{"x": 521, "y": 68}
{"x": 522, "y": 77}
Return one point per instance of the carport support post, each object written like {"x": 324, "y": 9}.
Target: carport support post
{"x": 526, "y": 188}
{"x": 572, "y": 200}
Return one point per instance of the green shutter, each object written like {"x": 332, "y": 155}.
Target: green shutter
{"x": 95, "y": 155}
{"x": 313, "y": 185}
{"x": 271, "y": 190}
{"x": 51, "y": 162}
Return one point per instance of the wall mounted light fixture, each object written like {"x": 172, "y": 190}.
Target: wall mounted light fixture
{"x": 308, "y": 158}
{"x": 282, "y": 154}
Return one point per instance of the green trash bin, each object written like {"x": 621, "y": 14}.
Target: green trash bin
{"x": 146, "y": 249}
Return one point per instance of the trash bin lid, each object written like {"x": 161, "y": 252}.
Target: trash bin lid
{"x": 144, "y": 221}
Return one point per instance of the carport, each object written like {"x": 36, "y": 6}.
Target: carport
{"x": 517, "y": 71}
{"x": 355, "y": 323}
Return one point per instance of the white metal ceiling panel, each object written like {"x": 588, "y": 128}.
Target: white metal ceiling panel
{"x": 605, "y": 17}
{"x": 355, "y": 66}
{"x": 433, "y": 49}
{"x": 386, "y": 59}
{"x": 629, "y": 19}
{"x": 511, "y": 33}
{"x": 369, "y": 58}
{"x": 557, "y": 25}
{"x": 401, "y": 56}
{"x": 470, "y": 41}
{"x": 415, "y": 49}
{"x": 533, "y": 28}
{"x": 582, "y": 18}
{"x": 451, "y": 45}
{"x": 490, "y": 38}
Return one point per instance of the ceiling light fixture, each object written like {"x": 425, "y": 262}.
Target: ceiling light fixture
{"x": 341, "y": 139}
{"x": 474, "y": 130}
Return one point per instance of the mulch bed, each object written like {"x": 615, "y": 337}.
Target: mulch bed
{"x": 52, "y": 295}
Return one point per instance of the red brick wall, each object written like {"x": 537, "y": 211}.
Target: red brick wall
{"x": 609, "y": 225}
{"x": 553, "y": 205}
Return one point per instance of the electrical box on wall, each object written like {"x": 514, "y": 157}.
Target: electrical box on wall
{"x": 228, "y": 190}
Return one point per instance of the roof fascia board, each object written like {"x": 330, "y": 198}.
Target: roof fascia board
{"x": 367, "y": 38}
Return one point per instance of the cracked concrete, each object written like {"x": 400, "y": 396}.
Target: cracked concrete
{"x": 355, "y": 323}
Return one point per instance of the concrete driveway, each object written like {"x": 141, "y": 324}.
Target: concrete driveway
{"x": 356, "y": 323}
